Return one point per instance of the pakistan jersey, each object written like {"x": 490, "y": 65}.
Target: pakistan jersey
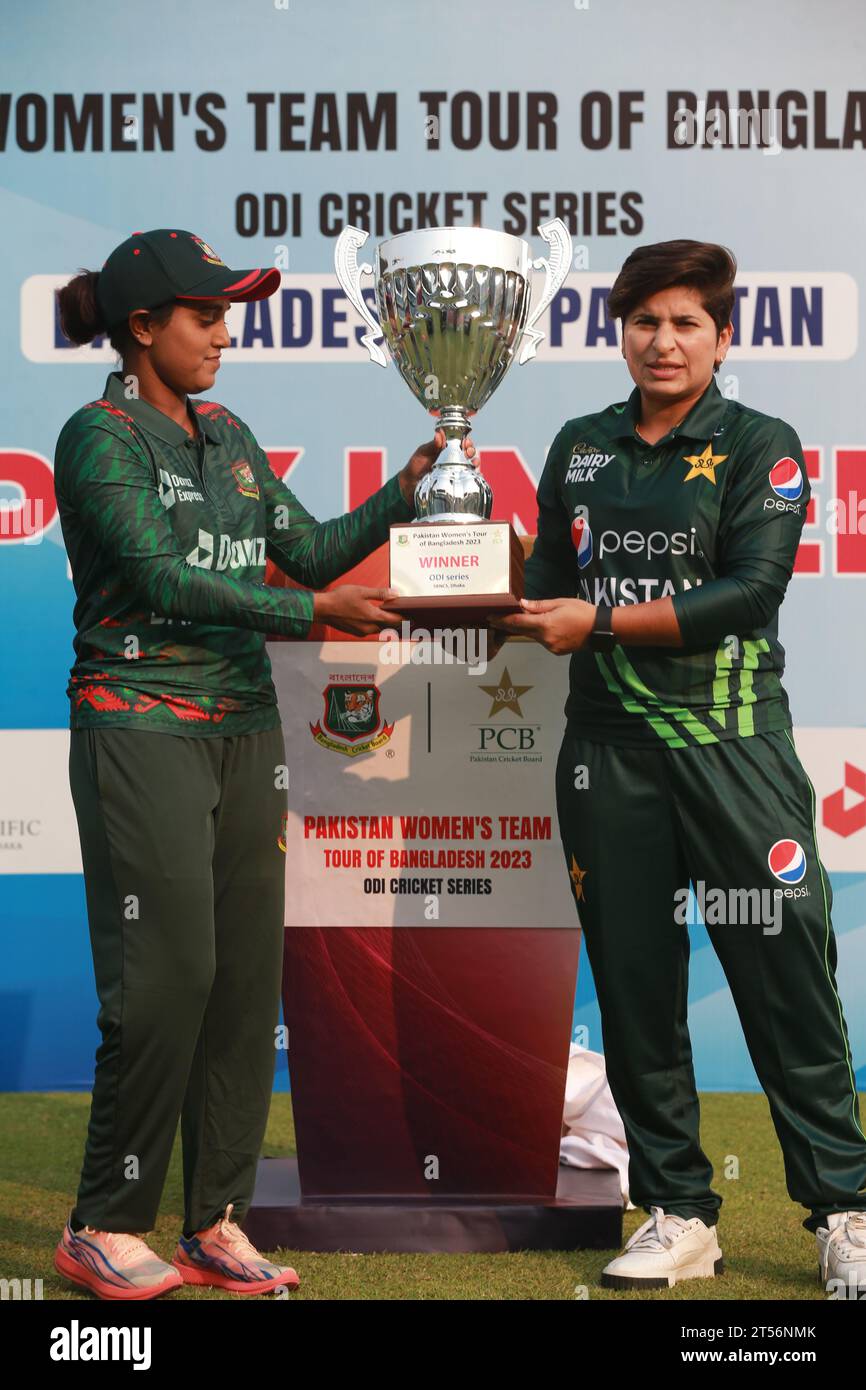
{"x": 711, "y": 516}
{"x": 168, "y": 537}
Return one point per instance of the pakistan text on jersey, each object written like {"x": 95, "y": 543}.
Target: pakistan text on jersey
{"x": 612, "y": 591}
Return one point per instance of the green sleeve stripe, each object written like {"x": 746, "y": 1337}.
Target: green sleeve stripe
{"x": 664, "y": 730}
{"x": 690, "y": 722}
{"x": 721, "y": 688}
{"x": 745, "y": 713}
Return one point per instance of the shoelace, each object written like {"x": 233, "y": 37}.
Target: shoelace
{"x": 231, "y": 1232}
{"x": 848, "y": 1233}
{"x": 123, "y": 1242}
{"x": 658, "y": 1233}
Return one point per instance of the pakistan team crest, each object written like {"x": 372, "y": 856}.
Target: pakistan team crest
{"x": 351, "y": 723}
{"x": 245, "y": 479}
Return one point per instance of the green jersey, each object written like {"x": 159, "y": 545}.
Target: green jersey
{"x": 168, "y": 537}
{"x": 710, "y": 516}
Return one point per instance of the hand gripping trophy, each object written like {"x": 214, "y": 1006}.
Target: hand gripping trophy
{"x": 454, "y": 309}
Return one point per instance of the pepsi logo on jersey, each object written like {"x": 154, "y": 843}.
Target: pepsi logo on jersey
{"x": 632, "y": 542}
{"x": 581, "y": 537}
{"x": 786, "y": 480}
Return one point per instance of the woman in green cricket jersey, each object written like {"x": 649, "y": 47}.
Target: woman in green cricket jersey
{"x": 668, "y": 526}
{"x": 169, "y": 511}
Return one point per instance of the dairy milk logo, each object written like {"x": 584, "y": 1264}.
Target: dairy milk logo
{"x": 787, "y": 861}
{"x": 581, "y": 537}
{"x": 786, "y": 479}
{"x": 227, "y": 554}
{"x": 585, "y": 462}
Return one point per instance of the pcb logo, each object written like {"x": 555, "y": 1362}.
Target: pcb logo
{"x": 351, "y": 723}
{"x": 245, "y": 479}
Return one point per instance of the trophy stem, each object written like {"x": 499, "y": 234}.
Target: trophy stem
{"x": 453, "y": 421}
{"x": 453, "y": 455}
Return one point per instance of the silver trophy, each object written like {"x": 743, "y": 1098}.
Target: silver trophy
{"x": 454, "y": 307}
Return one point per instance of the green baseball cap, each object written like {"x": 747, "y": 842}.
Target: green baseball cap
{"x": 152, "y": 268}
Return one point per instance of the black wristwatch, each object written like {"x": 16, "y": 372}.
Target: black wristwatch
{"x": 603, "y": 638}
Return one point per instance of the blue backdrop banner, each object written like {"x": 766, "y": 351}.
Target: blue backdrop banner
{"x": 266, "y": 130}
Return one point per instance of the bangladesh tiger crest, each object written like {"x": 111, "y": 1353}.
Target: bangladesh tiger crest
{"x": 245, "y": 479}
{"x": 208, "y": 253}
{"x": 281, "y": 839}
{"x": 351, "y": 723}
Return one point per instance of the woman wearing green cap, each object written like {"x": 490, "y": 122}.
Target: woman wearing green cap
{"x": 169, "y": 510}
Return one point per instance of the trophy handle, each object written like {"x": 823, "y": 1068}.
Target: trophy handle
{"x": 349, "y": 275}
{"x": 556, "y": 235}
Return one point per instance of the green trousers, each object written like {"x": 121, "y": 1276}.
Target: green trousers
{"x": 185, "y": 886}
{"x": 637, "y": 827}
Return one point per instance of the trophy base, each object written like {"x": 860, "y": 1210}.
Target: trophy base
{"x": 455, "y": 574}
{"x": 458, "y": 614}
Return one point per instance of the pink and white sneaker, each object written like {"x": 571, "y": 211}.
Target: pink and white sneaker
{"x": 113, "y": 1264}
{"x": 222, "y": 1256}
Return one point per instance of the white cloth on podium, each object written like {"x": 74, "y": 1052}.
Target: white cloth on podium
{"x": 595, "y": 1137}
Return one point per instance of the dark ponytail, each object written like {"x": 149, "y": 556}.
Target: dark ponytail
{"x": 81, "y": 319}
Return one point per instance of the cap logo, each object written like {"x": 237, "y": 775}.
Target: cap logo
{"x": 207, "y": 252}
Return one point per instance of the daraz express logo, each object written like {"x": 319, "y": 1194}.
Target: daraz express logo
{"x": 227, "y": 554}
{"x": 174, "y": 487}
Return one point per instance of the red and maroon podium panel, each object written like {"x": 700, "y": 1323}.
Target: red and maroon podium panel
{"x": 431, "y": 952}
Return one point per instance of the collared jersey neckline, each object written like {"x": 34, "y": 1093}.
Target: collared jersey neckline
{"x": 153, "y": 420}
{"x": 701, "y": 421}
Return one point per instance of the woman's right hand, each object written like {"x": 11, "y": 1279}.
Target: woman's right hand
{"x": 355, "y": 608}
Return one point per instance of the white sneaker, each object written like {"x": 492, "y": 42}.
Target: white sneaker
{"x": 842, "y": 1248}
{"x": 664, "y": 1250}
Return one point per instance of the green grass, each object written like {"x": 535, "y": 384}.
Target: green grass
{"x": 767, "y": 1253}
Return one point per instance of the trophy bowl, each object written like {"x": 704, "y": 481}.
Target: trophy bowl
{"x": 452, "y": 304}
{"x": 454, "y": 310}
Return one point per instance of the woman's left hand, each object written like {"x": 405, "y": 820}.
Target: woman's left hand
{"x": 423, "y": 460}
{"x": 559, "y": 624}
